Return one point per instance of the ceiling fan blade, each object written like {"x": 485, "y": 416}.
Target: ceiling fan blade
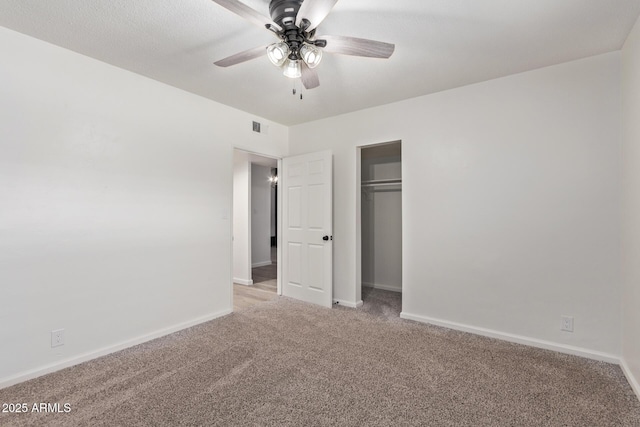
{"x": 314, "y": 11}
{"x": 247, "y": 13}
{"x": 242, "y": 57}
{"x": 357, "y": 47}
{"x": 309, "y": 77}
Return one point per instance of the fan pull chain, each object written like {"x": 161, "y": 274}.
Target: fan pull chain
{"x": 294, "y": 91}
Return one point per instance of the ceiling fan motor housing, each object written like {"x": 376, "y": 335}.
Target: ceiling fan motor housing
{"x": 283, "y": 12}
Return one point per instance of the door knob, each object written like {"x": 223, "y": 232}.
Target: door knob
{"x": 325, "y": 238}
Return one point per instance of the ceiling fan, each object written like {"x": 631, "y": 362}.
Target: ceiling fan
{"x": 299, "y": 51}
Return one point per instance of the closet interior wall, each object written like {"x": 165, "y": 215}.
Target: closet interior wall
{"x": 381, "y": 221}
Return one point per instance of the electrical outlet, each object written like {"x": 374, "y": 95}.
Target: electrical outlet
{"x": 57, "y": 338}
{"x": 567, "y": 323}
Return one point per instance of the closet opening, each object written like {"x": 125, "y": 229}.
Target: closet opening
{"x": 381, "y": 228}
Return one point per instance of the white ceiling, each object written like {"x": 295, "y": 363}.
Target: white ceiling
{"x": 440, "y": 44}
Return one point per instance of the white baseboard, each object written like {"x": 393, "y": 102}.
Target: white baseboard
{"x": 633, "y": 381}
{"x": 47, "y": 369}
{"x": 382, "y": 287}
{"x": 533, "y": 342}
{"x": 242, "y": 281}
{"x": 345, "y": 303}
{"x": 261, "y": 264}
{"x": 348, "y": 303}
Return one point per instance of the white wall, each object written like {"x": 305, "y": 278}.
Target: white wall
{"x": 631, "y": 208}
{"x": 241, "y": 218}
{"x": 260, "y": 215}
{"x": 510, "y": 202}
{"x": 382, "y": 225}
{"x": 115, "y": 205}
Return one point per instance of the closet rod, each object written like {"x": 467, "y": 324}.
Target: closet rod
{"x": 388, "y": 184}
{"x": 380, "y": 182}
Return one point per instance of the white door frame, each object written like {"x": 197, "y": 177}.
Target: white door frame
{"x": 278, "y": 221}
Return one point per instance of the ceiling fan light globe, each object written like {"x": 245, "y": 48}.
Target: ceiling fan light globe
{"x": 311, "y": 55}
{"x": 278, "y": 53}
{"x": 292, "y": 69}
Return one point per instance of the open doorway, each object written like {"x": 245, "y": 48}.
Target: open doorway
{"x": 255, "y": 229}
{"x": 380, "y": 215}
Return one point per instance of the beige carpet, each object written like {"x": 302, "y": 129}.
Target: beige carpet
{"x": 288, "y": 363}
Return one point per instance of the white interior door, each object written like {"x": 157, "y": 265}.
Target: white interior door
{"x": 307, "y": 206}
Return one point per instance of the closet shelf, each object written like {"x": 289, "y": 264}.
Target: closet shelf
{"x": 381, "y": 182}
